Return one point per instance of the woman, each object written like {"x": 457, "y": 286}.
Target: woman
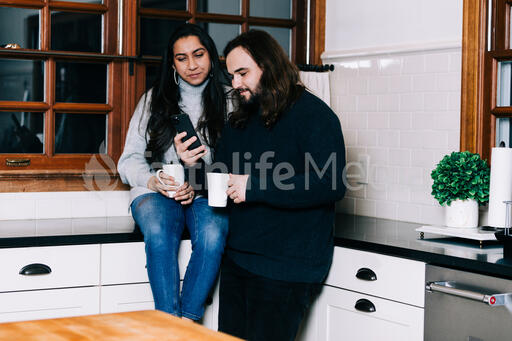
{"x": 192, "y": 82}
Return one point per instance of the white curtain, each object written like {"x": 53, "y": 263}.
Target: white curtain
{"x": 318, "y": 84}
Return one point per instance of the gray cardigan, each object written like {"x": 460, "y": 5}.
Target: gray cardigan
{"x": 132, "y": 166}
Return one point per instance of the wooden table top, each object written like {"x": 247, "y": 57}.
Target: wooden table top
{"x": 136, "y": 325}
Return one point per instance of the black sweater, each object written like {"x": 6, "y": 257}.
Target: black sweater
{"x": 284, "y": 230}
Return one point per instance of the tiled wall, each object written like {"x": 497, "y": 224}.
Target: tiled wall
{"x": 402, "y": 109}
{"x": 63, "y": 205}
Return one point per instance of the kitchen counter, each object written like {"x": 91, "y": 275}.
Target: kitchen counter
{"x": 68, "y": 231}
{"x": 383, "y": 236}
{"x": 136, "y": 325}
{"x": 400, "y": 239}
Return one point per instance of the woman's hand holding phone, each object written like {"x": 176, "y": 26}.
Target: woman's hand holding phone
{"x": 189, "y": 157}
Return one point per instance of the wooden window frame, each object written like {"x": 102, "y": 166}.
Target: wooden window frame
{"x": 479, "y": 109}
{"x": 67, "y": 172}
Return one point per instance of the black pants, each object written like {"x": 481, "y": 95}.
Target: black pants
{"x": 256, "y": 308}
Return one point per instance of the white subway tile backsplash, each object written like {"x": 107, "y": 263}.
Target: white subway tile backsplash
{"x": 12, "y": 208}
{"x": 436, "y": 101}
{"x": 367, "y": 103}
{"x": 448, "y": 82}
{"x": 378, "y": 85}
{"x": 400, "y": 157}
{"x": 390, "y": 65}
{"x": 389, "y": 102}
{"x": 400, "y": 84}
{"x": 437, "y": 62}
{"x": 412, "y": 102}
{"x": 386, "y": 209}
{"x": 400, "y": 121}
{"x": 366, "y": 207}
{"x": 456, "y": 62}
{"x": 388, "y": 138}
{"x": 424, "y": 82}
{"x": 378, "y": 120}
{"x": 413, "y": 64}
{"x": 53, "y": 208}
{"x": 367, "y": 138}
{"x": 408, "y": 119}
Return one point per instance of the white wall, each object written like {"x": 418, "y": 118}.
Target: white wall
{"x": 355, "y": 24}
{"x": 396, "y": 89}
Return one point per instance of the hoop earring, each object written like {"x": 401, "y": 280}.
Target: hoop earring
{"x": 176, "y": 79}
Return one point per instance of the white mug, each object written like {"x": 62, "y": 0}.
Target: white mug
{"x": 176, "y": 171}
{"x": 217, "y": 187}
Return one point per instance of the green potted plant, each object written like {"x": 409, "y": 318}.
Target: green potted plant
{"x": 461, "y": 183}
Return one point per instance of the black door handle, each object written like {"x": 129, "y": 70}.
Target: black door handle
{"x": 35, "y": 269}
{"x": 365, "y": 305}
{"x": 366, "y": 274}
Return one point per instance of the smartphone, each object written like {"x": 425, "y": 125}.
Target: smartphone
{"x": 182, "y": 123}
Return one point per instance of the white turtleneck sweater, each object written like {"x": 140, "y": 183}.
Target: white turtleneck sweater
{"x": 132, "y": 166}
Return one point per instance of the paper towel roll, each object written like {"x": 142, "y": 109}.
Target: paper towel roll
{"x": 501, "y": 186}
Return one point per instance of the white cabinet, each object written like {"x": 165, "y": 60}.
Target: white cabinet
{"x": 368, "y": 297}
{"x": 340, "y": 318}
{"x": 126, "y": 297}
{"x": 42, "y": 304}
{"x": 47, "y": 267}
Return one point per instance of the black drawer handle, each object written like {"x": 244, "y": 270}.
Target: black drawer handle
{"x": 365, "y": 305}
{"x": 366, "y": 274}
{"x": 35, "y": 269}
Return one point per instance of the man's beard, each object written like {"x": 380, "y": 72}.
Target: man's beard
{"x": 252, "y": 104}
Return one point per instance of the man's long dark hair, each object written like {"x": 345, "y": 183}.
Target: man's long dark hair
{"x": 166, "y": 96}
{"x": 280, "y": 83}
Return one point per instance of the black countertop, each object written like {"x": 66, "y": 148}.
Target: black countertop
{"x": 383, "y": 236}
{"x": 400, "y": 239}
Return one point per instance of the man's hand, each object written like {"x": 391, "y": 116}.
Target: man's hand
{"x": 237, "y": 185}
{"x": 189, "y": 157}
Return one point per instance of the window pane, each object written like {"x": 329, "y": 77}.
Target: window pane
{"x": 21, "y": 132}
{"x": 282, "y": 35}
{"x": 221, "y": 33}
{"x": 21, "y": 80}
{"x": 155, "y": 33}
{"x": 81, "y": 82}
{"x": 19, "y": 26}
{"x": 76, "y": 32}
{"x": 80, "y": 133}
{"x": 504, "y": 84}
{"x": 503, "y": 132}
{"x": 179, "y": 5}
{"x": 281, "y": 9}
{"x": 151, "y": 75}
{"x": 221, "y": 7}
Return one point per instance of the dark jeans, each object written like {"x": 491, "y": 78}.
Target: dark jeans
{"x": 256, "y": 308}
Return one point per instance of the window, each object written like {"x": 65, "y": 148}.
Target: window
{"x": 486, "y": 102}
{"x": 71, "y": 73}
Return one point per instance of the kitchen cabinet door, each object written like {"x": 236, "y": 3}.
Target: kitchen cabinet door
{"x": 339, "y": 319}
{"x": 43, "y": 304}
{"x": 128, "y": 297}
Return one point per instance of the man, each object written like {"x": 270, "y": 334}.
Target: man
{"x": 285, "y": 150}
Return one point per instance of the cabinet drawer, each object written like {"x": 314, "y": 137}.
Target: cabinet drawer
{"x": 128, "y": 297}
{"x": 126, "y": 262}
{"x": 43, "y": 304}
{"x": 339, "y": 319}
{"x": 63, "y": 266}
{"x": 396, "y": 278}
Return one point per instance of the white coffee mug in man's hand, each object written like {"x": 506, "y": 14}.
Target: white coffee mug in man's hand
{"x": 175, "y": 170}
{"x": 217, "y": 187}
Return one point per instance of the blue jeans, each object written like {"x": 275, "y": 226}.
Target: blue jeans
{"x": 162, "y": 221}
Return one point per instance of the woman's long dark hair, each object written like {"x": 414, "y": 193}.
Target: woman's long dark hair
{"x": 280, "y": 82}
{"x": 166, "y": 96}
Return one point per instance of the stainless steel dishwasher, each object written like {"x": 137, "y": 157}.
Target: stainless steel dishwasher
{"x": 464, "y": 306}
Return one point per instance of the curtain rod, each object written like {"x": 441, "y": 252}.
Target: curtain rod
{"x": 316, "y": 68}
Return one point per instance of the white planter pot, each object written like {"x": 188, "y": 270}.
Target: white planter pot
{"x": 462, "y": 213}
